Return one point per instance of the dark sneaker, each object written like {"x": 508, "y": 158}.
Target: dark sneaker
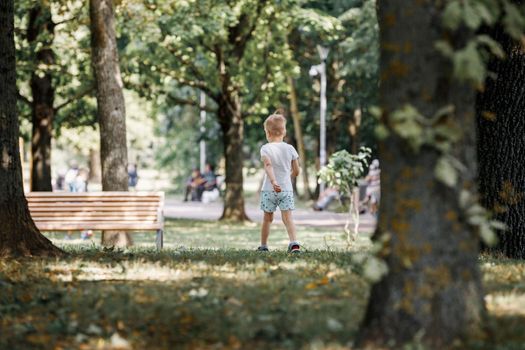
{"x": 294, "y": 247}
{"x": 263, "y": 249}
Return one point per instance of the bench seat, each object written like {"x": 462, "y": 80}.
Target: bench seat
{"x": 126, "y": 211}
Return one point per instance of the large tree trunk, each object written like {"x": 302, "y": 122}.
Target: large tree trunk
{"x": 40, "y": 31}
{"x": 18, "y": 233}
{"x": 111, "y": 109}
{"x": 501, "y": 144}
{"x": 432, "y": 289}
{"x": 296, "y": 117}
{"x": 232, "y": 125}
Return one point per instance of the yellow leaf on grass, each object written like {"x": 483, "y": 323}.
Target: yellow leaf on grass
{"x": 324, "y": 281}
{"x": 311, "y": 285}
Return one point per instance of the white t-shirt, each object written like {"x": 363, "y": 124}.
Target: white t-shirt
{"x": 281, "y": 155}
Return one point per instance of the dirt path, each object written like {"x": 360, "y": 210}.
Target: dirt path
{"x": 177, "y": 209}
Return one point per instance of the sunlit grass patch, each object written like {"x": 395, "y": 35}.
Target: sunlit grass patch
{"x": 504, "y": 285}
{"x": 190, "y": 298}
{"x": 231, "y": 297}
{"x": 219, "y": 235}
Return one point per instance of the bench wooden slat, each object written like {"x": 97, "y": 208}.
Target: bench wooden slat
{"x": 91, "y": 206}
{"x": 98, "y": 219}
{"x": 97, "y": 226}
{"x": 94, "y": 194}
{"x": 95, "y": 199}
{"x": 54, "y": 213}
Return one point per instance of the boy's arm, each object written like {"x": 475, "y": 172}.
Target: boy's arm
{"x": 268, "y": 168}
{"x": 295, "y": 168}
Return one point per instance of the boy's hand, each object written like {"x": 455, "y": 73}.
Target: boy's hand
{"x": 276, "y": 186}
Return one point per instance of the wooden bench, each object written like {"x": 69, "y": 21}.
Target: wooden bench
{"x": 123, "y": 211}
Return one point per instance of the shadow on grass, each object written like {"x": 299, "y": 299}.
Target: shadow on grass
{"x": 181, "y": 299}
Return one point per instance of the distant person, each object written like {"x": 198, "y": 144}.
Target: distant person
{"x": 373, "y": 188}
{"x": 210, "y": 177}
{"x": 194, "y": 186}
{"x": 280, "y": 164}
{"x": 81, "y": 181}
{"x": 325, "y": 198}
{"x": 211, "y": 190}
{"x": 71, "y": 177}
{"x": 133, "y": 176}
{"x": 59, "y": 182}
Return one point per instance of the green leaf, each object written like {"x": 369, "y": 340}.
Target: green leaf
{"x": 468, "y": 64}
{"x": 498, "y": 225}
{"x": 470, "y": 16}
{"x": 493, "y": 46}
{"x": 487, "y": 235}
{"x": 445, "y": 172}
{"x": 452, "y": 15}
{"x": 514, "y": 20}
{"x": 444, "y": 48}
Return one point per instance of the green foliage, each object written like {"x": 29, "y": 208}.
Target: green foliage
{"x": 344, "y": 169}
{"x": 438, "y": 131}
{"x": 342, "y": 172}
{"x": 178, "y": 152}
{"x": 481, "y": 218}
{"x": 181, "y": 49}
{"x": 360, "y": 50}
{"x": 471, "y": 60}
{"x": 71, "y": 70}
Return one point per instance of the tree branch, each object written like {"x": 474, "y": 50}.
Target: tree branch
{"x": 80, "y": 93}
{"x": 188, "y": 102}
{"x": 64, "y": 21}
{"x": 191, "y": 83}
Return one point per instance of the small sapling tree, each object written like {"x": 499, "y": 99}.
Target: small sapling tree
{"x": 342, "y": 172}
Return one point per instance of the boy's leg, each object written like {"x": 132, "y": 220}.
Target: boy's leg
{"x": 290, "y": 226}
{"x": 265, "y": 228}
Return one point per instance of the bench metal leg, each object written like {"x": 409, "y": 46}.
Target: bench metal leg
{"x": 160, "y": 239}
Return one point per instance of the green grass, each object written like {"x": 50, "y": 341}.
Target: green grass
{"x": 192, "y": 298}
{"x": 217, "y": 235}
{"x": 209, "y": 289}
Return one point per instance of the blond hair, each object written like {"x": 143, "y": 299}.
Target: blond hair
{"x": 275, "y": 124}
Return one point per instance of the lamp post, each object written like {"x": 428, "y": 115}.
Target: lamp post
{"x": 314, "y": 71}
{"x": 202, "y": 144}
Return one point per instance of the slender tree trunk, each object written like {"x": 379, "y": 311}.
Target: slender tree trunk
{"x": 432, "y": 289}
{"x": 353, "y": 129}
{"x": 111, "y": 109}
{"x": 501, "y": 144}
{"x": 232, "y": 125}
{"x": 18, "y": 233}
{"x": 40, "y": 31}
{"x": 94, "y": 166}
{"x": 296, "y": 116}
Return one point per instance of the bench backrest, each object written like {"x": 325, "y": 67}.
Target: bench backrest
{"x": 59, "y": 211}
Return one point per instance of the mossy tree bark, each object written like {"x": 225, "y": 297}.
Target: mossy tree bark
{"x": 111, "y": 108}
{"x": 432, "y": 290}
{"x": 40, "y": 32}
{"x": 501, "y": 144}
{"x": 18, "y": 233}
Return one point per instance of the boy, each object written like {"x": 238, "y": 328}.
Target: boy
{"x": 280, "y": 163}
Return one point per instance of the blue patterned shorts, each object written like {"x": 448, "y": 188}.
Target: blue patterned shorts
{"x": 270, "y": 200}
